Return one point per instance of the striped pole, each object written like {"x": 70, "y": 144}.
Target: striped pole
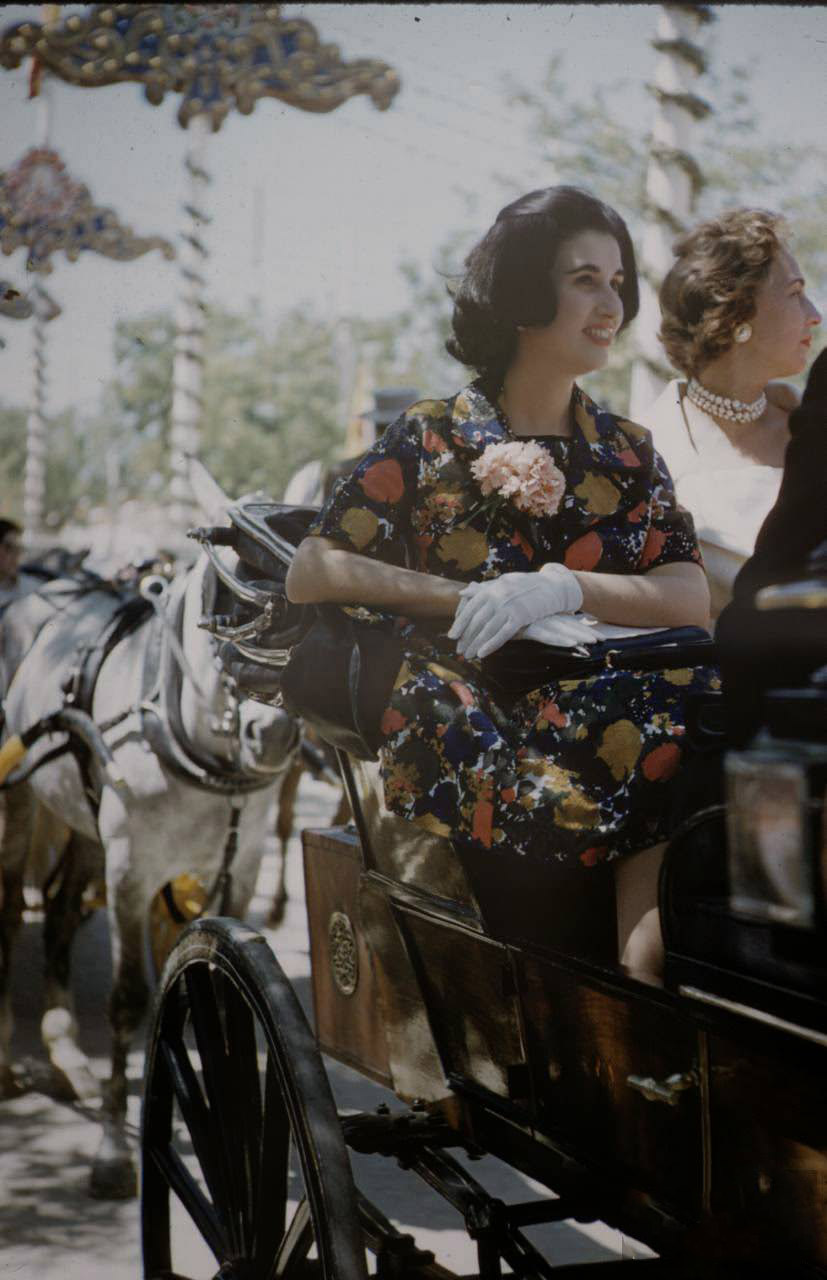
{"x": 34, "y": 475}
{"x": 188, "y": 364}
{"x": 34, "y": 479}
{"x": 673, "y": 181}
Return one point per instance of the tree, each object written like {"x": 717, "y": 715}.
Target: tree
{"x": 272, "y": 401}
{"x": 588, "y": 142}
{"x": 12, "y": 460}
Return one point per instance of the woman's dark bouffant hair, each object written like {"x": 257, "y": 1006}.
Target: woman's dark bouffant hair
{"x": 710, "y": 288}
{"x": 507, "y": 280}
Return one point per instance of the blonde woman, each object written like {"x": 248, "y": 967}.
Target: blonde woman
{"x": 735, "y": 317}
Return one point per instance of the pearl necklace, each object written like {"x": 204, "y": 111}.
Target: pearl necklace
{"x": 723, "y": 406}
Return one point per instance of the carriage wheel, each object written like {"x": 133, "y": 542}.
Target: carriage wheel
{"x": 239, "y": 1122}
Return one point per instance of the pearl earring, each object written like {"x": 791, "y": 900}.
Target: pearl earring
{"x": 743, "y": 333}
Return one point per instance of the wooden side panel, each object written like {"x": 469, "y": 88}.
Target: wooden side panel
{"x": 472, "y": 1007}
{"x": 768, "y": 1113}
{"x": 414, "y": 1061}
{"x": 345, "y": 999}
{"x": 585, "y": 1043}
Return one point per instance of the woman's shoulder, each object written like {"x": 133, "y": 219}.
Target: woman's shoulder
{"x": 783, "y": 395}
{"x": 664, "y": 416}
{"x": 451, "y": 419}
{"x": 635, "y": 433}
{"x": 430, "y": 414}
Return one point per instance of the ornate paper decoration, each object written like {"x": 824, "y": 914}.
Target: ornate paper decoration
{"x": 42, "y": 209}
{"x": 14, "y": 304}
{"x": 216, "y": 55}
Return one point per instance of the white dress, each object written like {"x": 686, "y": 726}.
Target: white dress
{"x": 728, "y": 495}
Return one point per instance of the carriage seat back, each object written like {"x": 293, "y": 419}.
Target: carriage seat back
{"x": 403, "y": 851}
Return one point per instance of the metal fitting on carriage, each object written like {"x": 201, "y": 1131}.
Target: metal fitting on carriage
{"x": 153, "y": 586}
{"x": 219, "y": 535}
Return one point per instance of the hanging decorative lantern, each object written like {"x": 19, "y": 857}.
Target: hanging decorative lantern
{"x": 14, "y": 303}
{"x": 215, "y": 55}
{"x": 44, "y": 210}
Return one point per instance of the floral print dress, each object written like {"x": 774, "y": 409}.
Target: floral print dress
{"x": 578, "y": 770}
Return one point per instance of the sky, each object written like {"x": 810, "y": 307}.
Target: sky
{"x": 322, "y": 209}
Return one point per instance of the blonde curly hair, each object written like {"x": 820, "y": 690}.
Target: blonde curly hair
{"x": 711, "y": 287}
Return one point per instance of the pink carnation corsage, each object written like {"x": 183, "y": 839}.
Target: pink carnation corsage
{"x": 520, "y": 472}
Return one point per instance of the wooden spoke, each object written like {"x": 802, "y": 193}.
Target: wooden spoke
{"x": 194, "y": 1111}
{"x": 295, "y": 1246}
{"x": 219, "y": 1084}
{"x": 180, "y": 1180}
{"x": 243, "y": 1111}
{"x": 274, "y": 1170}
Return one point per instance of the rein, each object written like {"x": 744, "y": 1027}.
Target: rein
{"x": 160, "y": 712}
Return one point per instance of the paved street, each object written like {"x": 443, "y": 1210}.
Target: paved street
{"x": 52, "y": 1230}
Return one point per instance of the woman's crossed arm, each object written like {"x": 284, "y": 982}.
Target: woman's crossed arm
{"x": 671, "y": 595}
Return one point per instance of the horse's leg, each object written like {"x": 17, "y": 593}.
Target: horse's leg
{"x": 284, "y": 830}
{"x": 114, "y": 1175}
{"x": 64, "y": 914}
{"x": 16, "y": 834}
{"x": 50, "y": 837}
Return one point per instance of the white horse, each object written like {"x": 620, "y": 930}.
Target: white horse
{"x": 184, "y": 779}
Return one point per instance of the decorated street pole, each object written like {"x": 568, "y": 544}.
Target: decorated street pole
{"x": 190, "y": 321}
{"x": 673, "y": 182}
{"x": 34, "y": 478}
{"x": 216, "y": 56}
{"x": 14, "y": 304}
{"x": 43, "y": 209}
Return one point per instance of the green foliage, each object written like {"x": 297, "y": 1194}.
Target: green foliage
{"x": 588, "y": 142}
{"x": 75, "y": 469}
{"x": 273, "y": 400}
{"x": 12, "y": 460}
{"x": 277, "y": 396}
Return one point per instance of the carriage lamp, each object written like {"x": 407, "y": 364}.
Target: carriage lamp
{"x": 777, "y": 829}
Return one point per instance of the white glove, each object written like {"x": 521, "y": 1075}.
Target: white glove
{"x": 491, "y": 613}
{"x": 562, "y": 629}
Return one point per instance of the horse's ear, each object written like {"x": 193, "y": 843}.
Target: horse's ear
{"x": 207, "y": 492}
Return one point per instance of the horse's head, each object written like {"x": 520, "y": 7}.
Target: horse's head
{"x": 255, "y": 736}
{"x": 268, "y": 737}
{"x": 259, "y": 737}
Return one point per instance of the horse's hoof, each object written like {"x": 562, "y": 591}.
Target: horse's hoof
{"x": 113, "y": 1176}
{"x": 11, "y": 1086}
{"x": 277, "y": 913}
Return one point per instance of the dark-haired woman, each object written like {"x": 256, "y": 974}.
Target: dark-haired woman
{"x": 577, "y": 772}
{"x": 735, "y": 316}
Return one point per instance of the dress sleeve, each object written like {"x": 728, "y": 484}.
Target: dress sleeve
{"x": 370, "y": 509}
{"x": 671, "y": 538}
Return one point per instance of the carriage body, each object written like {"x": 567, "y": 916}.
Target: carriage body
{"x": 689, "y": 1113}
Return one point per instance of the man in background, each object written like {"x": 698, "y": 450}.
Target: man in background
{"x": 388, "y": 402}
{"x": 13, "y": 583}
{"x": 312, "y": 484}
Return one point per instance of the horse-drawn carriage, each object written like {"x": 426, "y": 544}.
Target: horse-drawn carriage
{"x": 689, "y": 1113}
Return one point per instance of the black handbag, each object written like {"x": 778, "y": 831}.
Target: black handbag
{"x": 339, "y": 679}
{"x": 522, "y": 665}
{"x": 326, "y": 664}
